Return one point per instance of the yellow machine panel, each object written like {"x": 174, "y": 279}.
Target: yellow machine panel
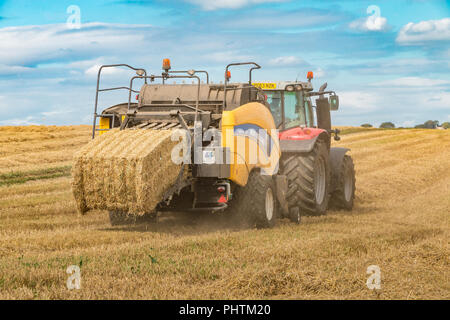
{"x": 250, "y": 133}
{"x": 104, "y": 124}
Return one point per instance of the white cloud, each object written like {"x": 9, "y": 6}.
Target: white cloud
{"x": 413, "y": 82}
{"x": 34, "y": 44}
{"x": 263, "y": 19}
{"x": 28, "y": 121}
{"x": 431, "y": 30}
{"x": 225, "y": 57}
{"x": 370, "y": 24}
{"x": 408, "y": 123}
{"x": 93, "y": 71}
{"x": 12, "y": 70}
{"x": 286, "y": 61}
{"x": 227, "y": 4}
{"x": 359, "y": 101}
{"x": 389, "y": 103}
{"x": 319, "y": 73}
{"x": 374, "y": 22}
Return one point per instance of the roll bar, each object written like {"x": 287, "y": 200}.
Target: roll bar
{"x": 256, "y": 66}
{"x": 110, "y": 89}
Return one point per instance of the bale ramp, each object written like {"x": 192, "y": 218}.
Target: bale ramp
{"x": 126, "y": 170}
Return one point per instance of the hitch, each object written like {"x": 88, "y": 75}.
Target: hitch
{"x": 336, "y": 132}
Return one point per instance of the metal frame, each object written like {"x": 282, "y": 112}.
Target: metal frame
{"x": 256, "y": 66}
{"x": 110, "y": 89}
{"x": 165, "y": 77}
{"x": 320, "y": 93}
{"x": 195, "y": 71}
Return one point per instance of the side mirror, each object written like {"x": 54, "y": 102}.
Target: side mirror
{"x": 140, "y": 72}
{"x": 334, "y": 102}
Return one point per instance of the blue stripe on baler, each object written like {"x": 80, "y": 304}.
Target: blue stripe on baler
{"x": 252, "y": 131}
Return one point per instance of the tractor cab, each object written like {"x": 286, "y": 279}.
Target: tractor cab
{"x": 291, "y": 105}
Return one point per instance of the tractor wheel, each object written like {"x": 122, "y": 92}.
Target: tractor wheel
{"x": 256, "y": 203}
{"x": 308, "y": 180}
{"x": 118, "y": 218}
{"x": 344, "y": 194}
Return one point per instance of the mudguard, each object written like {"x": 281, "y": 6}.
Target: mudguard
{"x": 298, "y": 145}
{"x": 336, "y": 157}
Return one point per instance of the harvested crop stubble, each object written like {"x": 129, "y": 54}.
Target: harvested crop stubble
{"x": 126, "y": 170}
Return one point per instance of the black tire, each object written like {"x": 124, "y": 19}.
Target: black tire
{"x": 118, "y": 218}
{"x": 256, "y": 203}
{"x": 344, "y": 194}
{"x": 309, "y": 178}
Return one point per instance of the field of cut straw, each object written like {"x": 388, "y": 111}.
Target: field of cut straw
{"x": 401, "y": 223}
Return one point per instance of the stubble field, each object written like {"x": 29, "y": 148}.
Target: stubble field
{"x": 401, "y": 223}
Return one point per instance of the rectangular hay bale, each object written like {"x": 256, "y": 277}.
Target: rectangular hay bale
{"x": 126, "y": 170}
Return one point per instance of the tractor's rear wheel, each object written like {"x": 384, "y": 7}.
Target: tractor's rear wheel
{"x": 308, "y": 180}
{"x": 256, "y": 203}
{"x": 118, "y": 218}
{"x": 344, "y": 194}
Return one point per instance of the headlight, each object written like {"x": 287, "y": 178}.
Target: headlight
{"x": 290, "y": 88}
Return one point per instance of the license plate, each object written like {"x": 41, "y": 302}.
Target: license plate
{"x": 209, "y": 157}
{"x": 265, "y": 85}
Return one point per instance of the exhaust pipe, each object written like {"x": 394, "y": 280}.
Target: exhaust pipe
{"x": 323, "y": 110}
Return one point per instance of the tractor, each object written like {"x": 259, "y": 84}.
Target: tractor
{"x": 255, "y": 151}
{"x": 318, "y": 175}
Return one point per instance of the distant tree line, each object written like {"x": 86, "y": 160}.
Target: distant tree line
{"x": 387, "y": 125}
{"x": 433, "y": 124}
{"x": 430, "y": 124}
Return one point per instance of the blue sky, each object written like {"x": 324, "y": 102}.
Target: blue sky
{"x": 388, "y": 60}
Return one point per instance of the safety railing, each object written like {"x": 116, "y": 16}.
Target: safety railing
{"x": 227, "y": 77}
{"x": 141, "y": 70}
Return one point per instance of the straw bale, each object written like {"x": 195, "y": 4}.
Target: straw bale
{"x": 126, "y": 170}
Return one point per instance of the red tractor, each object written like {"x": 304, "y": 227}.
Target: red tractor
{"x": 317, "y": 175}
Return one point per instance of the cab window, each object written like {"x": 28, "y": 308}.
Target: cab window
{"x": 274, "y": 100}
{"x": 294, "y": 109}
